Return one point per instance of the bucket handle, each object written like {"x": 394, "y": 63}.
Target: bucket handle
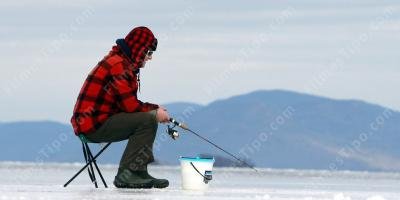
{"x": 207, "y": 177}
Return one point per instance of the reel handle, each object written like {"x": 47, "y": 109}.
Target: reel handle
{"x": 172, "y": 132}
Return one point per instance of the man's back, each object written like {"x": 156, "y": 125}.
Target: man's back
{"x": 111, "y": 87}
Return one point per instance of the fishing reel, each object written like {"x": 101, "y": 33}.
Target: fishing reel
{"x": 172, "y": 132}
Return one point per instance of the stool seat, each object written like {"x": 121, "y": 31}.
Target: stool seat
{"x": 83, "y": 138}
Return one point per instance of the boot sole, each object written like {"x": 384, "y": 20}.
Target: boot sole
{"x": 136, "y": 186}
{"x": 162, "y": 185}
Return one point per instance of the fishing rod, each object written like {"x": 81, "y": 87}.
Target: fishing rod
{"x": 174, "y": 134}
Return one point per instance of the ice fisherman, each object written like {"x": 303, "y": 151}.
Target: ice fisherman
{"x": 108, "y": 110}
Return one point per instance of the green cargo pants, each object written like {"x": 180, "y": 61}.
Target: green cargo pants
{"x": 139, "y": 128}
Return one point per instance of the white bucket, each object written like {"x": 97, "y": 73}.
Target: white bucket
{"x": 196, "y": 172}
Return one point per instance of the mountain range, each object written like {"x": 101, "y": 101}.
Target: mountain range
{"x": 274, "y": 128}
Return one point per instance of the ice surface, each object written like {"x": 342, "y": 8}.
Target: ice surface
{"x": 44, "y": 181}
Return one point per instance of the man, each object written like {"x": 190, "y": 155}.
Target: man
{"x": 107, "y": 108}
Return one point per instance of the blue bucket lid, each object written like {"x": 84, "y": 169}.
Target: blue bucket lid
{"x": 197, "y": 159}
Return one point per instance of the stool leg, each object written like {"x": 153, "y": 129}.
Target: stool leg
{"x": 97, "y": 168}
{"x": 87, "y": 164}
{"x": 85, "y": 155}
{"x": 90, "y": 169}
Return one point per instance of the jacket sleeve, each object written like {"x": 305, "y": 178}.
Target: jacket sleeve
{"x": 125, "y": 94}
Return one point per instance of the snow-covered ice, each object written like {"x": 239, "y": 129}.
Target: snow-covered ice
{"x": 44, "y": 181}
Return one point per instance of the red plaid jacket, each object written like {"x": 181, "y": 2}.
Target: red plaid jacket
{"x": 110, "y": 88}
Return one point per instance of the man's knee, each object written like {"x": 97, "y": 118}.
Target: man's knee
{"x": 150, "y": 118}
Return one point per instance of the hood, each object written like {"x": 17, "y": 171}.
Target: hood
{"x": 136, "y": 45}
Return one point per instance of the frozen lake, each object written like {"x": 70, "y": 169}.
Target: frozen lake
{"x": 44, "y": 181}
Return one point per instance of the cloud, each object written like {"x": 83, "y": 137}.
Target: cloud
{"x": 51, "y": 3}
{"x": 198, "y": 40}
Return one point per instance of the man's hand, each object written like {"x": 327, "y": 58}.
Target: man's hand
{"x": 162, "y": 115}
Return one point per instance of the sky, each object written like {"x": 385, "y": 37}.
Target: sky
{"x": 208, "y": 50}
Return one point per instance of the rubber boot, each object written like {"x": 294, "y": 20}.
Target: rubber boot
{"x": 132, "y": 179}
{"x": 157, "y": 183}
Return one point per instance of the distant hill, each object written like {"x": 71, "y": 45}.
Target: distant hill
{"x": 278, "y": 129}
